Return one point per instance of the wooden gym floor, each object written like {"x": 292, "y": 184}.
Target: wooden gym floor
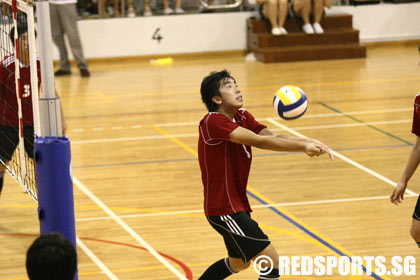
{"x": 133, "y": 129}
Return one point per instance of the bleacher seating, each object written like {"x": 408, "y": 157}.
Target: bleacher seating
{"x": 339, "y": 41}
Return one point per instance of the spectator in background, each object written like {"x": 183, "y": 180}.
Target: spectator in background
{"x": 130, "y": 11}
{"x": 276, "y": 12}
{"x": 63, "y": 16}
{"x": 104, "y": 8}
{"x": 117, "y": 13}
{"x": 147, "y": 10}
{"x": 167, "y": 10}
{"x": 305, "y": 8}
{"x": 51, "y": 257}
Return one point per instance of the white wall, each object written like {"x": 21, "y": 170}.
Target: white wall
{"x": 226, "y": 31}
{"x": 385, "y": 22}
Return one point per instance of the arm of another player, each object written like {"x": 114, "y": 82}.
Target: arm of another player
{"x": 397, "y": 194}
{"x": 63, "y": 120}
{"x": 245, "y": 136}
{"x": 324, "y": 148}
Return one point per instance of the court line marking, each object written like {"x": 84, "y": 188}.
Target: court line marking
{"x": 344, "y": 158}
{"x": 284, "y": 214}
{"x": 186, "y": 135}
{"x": 95, "y": 259}
{"x": 246, "y": 88}
{"x": 334, "y": 247}
{"x": 348, "y": 125}
{"x": 131, "y": 163}
{"x": 201, "y": 211}
{"x": 127, "y": 228}
{"x": 368, "y": 124}
{"x": 308, "y": 116}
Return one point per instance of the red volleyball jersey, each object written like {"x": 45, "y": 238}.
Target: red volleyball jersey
{"x": 416, "y": 116}
{"x": 8, "y": 98}
{"x": 225, "y": 165}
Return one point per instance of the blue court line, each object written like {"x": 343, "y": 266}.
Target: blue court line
{"x": 307, "y": 231}
{"x": 135, "y": 163}
{"x": 362, "y": 122}
{"x": 255, "y": 156}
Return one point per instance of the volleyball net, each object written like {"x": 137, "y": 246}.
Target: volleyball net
{"x": 32, "y": 148}
{"x": 19, "y": 83}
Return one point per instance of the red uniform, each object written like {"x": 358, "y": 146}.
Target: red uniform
{"x": 225, "y": 165}
{"x": 416, "y": 116}
{"x": 8, "y": 99}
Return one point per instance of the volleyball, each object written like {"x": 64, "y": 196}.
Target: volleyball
{"x": 290, "y": 102}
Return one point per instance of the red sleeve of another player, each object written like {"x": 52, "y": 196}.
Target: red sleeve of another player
{"x": 2, "y": 80}
{"x": 252, "y": 124}
{"x": 218, "y": 126}
{"x": 38, "y": 66}
{"x": 416, "y": 121}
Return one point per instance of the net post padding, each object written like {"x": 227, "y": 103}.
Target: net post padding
{"x": 55, "y": 187}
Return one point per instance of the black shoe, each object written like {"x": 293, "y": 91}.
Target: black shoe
{"x": 84, "y": 73}
{"x": 61, "y": 72}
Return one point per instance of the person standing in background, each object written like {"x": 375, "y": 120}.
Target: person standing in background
{"x": 63, "y": 16}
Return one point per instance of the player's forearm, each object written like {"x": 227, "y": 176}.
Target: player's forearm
{"x": 413, "y": 163}
{"x": 293, "y": 138}
{"x": 280, "y": 144}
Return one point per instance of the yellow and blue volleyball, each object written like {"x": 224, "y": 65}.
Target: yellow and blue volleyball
{"x": 290, "y": 102}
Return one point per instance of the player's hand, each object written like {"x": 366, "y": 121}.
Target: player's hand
{"x": 312, "y": 150}
{"x": 397, "y": 195}
{"x": 324, "y": 148}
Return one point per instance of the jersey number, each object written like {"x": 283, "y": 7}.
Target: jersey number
{"x": 26, "y": 91}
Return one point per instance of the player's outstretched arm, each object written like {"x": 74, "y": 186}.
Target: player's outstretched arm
{"x": 246, "y": 137}
{"x": 324, "y": 148}
{"x": 397, "y": 195}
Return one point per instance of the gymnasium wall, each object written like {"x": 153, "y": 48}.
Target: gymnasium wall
{"x": 175, "y": 34}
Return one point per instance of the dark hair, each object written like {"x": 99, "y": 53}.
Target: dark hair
{"x": 22, "y": 28}
{"x": 210, "y": 87}
{"x": 51, "y": 257}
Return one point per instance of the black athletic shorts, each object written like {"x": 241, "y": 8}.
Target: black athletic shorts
{"x": 243, "y": 237}
{"x": 416, "y": 214}
{"x": 9, "y": 139}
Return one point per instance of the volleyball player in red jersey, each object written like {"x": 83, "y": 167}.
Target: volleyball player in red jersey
{"x": 9, "y": 123}
{"x": 397, "y": 194}
{"x": 226, "y": 135}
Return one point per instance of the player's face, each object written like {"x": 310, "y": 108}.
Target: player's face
{"x": 230, "y": 93}
{"x": 24, "y": 47}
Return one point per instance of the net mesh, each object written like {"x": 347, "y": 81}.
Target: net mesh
{"x": 16, "y": 90}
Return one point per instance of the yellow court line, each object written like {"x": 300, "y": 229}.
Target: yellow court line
{"x": 189, "y": 149}
{"x": 18, "y": 206}
{"x": 248, "y": 88}
{"x": 341, "y": 83}
{"x": 105, "y": 98}
{"x": 179, "y": 142}
{"x": 94, "y": 207}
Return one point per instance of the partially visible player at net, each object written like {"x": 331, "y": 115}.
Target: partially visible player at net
{"x": 226, "y": 135}
{"x": 9, "y": 123}
{"x": 397, "y": 195}
{"x": 51, "y": 257}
